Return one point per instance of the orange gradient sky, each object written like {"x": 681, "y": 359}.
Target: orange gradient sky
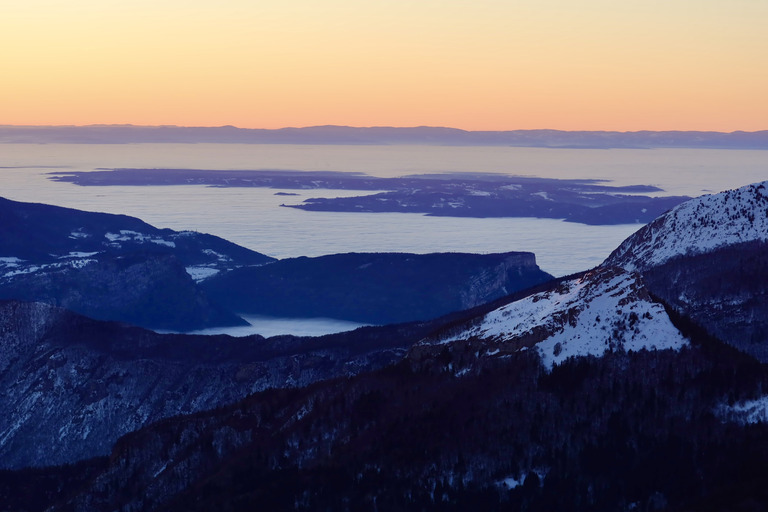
{"x": 477, "y": 65}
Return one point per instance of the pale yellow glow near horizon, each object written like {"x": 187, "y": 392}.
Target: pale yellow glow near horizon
{"x": 486, "y": 64}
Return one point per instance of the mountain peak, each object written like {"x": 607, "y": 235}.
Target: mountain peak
{"x": 698, "y": 226}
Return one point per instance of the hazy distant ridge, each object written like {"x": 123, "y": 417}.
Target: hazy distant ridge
{"x": 125, "y": 134}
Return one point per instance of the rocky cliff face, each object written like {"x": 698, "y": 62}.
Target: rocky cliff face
{"x": 708, "y": 259}
{"x": 378, "y": 288}
{"x": 72, "y": 386}
{"x": 516, "y": 271}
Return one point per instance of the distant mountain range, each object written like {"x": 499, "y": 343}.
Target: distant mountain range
{"x": 427, "y": 135}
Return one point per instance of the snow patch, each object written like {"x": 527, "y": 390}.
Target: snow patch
{"x": 79, "y": 263}
{"x": 26, "y": 270}
{"x": 160, "y": 241}
{"x": 127, "y": 235}
{"x": 201, "y": 273}
{"x": 219, "y": 256}
{"x": 78, "y": 255}
{"x": 78, "y": 234}
{"x": 32, "y": 268}
{"x": 159, "y": 471}
{"x": 510, "y": 482}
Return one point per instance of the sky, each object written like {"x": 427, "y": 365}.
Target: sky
{"x": 478, "y": 65}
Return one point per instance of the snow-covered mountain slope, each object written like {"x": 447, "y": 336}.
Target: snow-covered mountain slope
{"x": 698, "y": 226}
{"x": 708, "y": 259}
{"x": 605, "y": 309}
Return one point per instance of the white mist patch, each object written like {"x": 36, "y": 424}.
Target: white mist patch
{"x": 274, "y": 326}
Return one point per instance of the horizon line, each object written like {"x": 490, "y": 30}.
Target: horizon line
{"x": 435, "y": 127}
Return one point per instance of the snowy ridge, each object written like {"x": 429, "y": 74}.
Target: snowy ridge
{"x": 210, "y": 261}
{"x": 126, "y": 235}
{"x": 606, "y": 309}
{"x": 698, "y": 226}
{"x": 11, "y": 267}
